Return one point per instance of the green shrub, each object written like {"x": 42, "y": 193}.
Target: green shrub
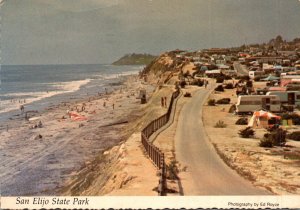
{"x": 219, "y": 79}
{"x": 243, "y": 77}
{"x": 249, "y": 83}
{"x": 220, "y": 124}
{"x": 211, "y": 102}
{"x": 187, "y": 73}
{"x": 229, "y": 86}
{"x": 182, "y": 84}
{"x": 223, "y": 101}
{"x": 247, "y": 132}
{"x": 265, "y": 143}
{"x": 198, "y": 82}
{"x": 232, "y": 108}
{"x": 295, "y": 118}
{"x": 227, "y": 77}
{"x": 256, "y": 79}
{"x": 219, "y": 88}
{"x": 172, "y": 170}
{"x": 242, "y": 121}
{"x": 277, "y": 136}
{"x": 294, "y": 135}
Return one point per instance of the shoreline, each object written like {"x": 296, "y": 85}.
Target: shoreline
{"x": 66, "y": 145}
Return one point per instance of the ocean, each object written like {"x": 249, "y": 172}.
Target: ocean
{"x": 39, "y": 86}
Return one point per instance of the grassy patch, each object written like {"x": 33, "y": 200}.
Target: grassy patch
{"x": 220, "y": 124}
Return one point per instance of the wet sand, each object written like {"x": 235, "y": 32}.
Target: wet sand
{"x": 38, "y": 161}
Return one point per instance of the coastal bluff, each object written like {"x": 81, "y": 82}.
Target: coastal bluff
{"x": 135, "y": 59}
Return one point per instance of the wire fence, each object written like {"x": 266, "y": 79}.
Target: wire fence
{"x": 154, "y": 153}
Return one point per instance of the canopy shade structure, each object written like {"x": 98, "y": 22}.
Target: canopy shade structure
{"x": 265, "y": 114}
{"x": 270, "y": 78}
{"x": 260, "y": 119}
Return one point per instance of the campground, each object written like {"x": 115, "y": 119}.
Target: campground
{"x": 276, "y": 168}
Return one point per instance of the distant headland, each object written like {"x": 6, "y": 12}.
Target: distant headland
{"x": 135, "y": 59}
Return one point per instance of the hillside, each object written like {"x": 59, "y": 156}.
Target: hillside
{"x": 135, "y": 59}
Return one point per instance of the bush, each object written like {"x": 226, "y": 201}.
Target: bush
{"x": 256, "y": 79}
{"x": 242, "y": 121}
{"x": 247, "y": 132}
{"x": 219, "y": 88}
{"x": 198, "y": 82}
{"x": 232, "y": 108}
{"x": 265, "y": 143}
{"x": 223, "y": 101}
{"x": 294, "y": 135}
{"x": 295, "y": 118}
{"x": 249, "y": 84}
{"x": 186, "y": 74}
{"x": 276, "y": 136}
{"x": 172, "y": 170}
{"x": 187, "y": 94}
{"x": 227, "y": 77}
{"x": 244, "y": 77}
{"x": 219, "y": 79}
{"x": 182, "y": 84}
{"x": 211, "y": 102}
{"x": 229, "y": 86}
{"x": 220, "y": 124}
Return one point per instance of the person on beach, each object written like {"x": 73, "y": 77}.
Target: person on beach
{"x": 162, "y": 101}
{"x": 104, "y": 104}
{"x": 40, "y": 125}
{"x": 22, "y": 109}
{"x": 113, "y": 105}
{"x": 83, "y": 107}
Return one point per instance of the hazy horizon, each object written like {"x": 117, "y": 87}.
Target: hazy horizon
{"x": 101, "y": 31}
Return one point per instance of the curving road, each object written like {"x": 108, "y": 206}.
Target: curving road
{"x": 206, "y": 173}
{"x": 240, "y": 69}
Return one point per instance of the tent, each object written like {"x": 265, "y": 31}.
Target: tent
{"x": 270, "y": 78}
{"x": 260, "y": 119}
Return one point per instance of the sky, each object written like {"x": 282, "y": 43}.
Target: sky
{"x": 101, "y": 31}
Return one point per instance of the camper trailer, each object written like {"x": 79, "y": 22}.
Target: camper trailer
{"x": 287, "y": 97}
{"x": 253, "y": 74}
{"x": 251, "y": 103}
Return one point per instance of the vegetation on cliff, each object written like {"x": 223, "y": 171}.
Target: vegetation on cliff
{"x": 135, "y": 59}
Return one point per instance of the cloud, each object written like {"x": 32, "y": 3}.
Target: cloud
{"x": 81, "y": 5}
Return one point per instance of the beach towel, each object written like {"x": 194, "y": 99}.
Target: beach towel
{"x": 76, "y": 116}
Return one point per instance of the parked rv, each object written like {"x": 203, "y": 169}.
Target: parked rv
{"x": 252, "y": 103}
{"x": 287, "y": 97}
{"x": 253, "y": 74}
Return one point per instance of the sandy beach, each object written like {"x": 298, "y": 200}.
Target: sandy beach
{"x": 39, "y": 160}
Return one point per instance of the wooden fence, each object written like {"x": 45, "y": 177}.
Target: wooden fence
{"x": 154, "y": 153}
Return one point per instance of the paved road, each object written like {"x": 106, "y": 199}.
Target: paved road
{"x": 207, "y": 173}
{"x": 241, "y": 70}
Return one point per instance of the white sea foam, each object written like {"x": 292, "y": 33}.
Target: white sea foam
{"x": 63, "y": 87}
{"x": 117, "y": 75}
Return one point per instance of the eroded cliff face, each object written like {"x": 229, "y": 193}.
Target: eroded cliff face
{"x": 166, "y": 66}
